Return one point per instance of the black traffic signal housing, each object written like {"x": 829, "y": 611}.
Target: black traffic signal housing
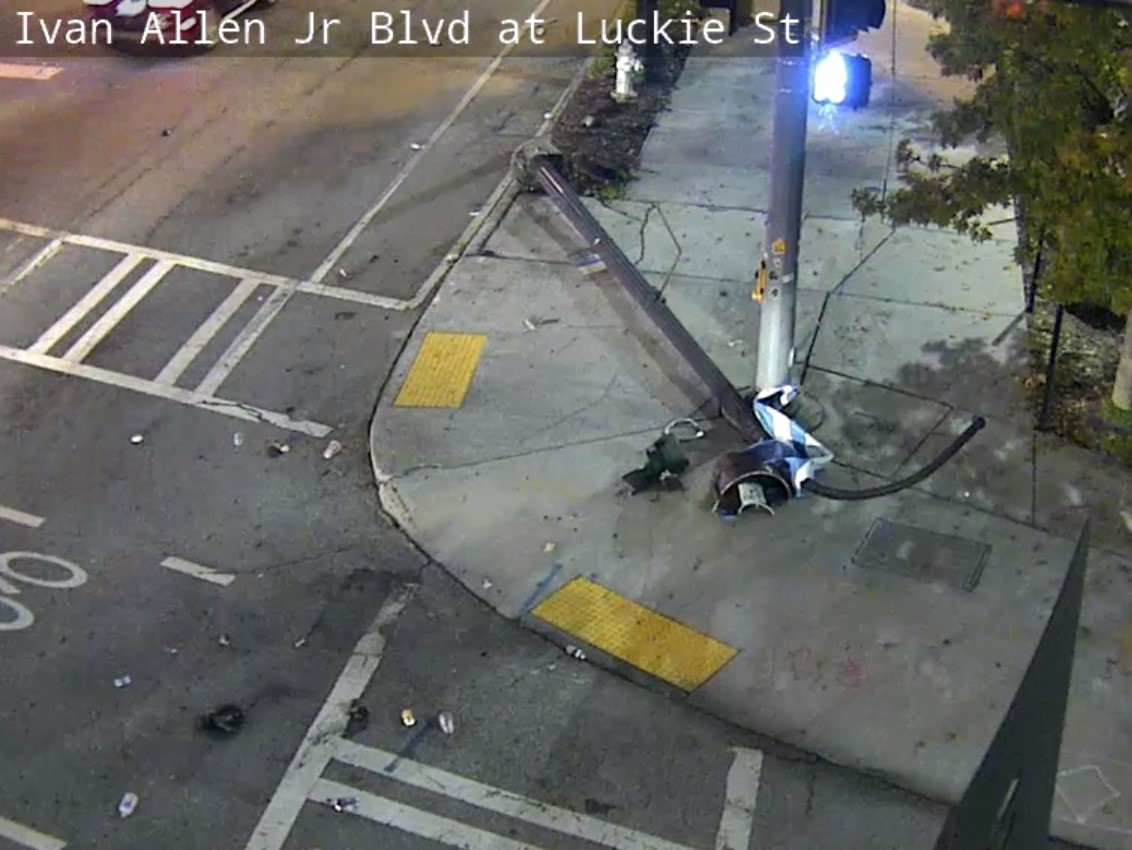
{"x": 841, "y": 20}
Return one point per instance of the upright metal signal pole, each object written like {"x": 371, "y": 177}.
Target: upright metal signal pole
{"x": 778, "y": 277}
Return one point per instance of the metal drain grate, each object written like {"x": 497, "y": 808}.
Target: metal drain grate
{"x": 923, "y": 555}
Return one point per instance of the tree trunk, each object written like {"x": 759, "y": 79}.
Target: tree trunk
{"x": 1122, "y": 386}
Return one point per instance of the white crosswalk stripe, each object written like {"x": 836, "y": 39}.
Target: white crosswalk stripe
{"x": 155, "y": 266}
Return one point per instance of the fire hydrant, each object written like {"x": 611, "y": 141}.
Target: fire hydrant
{"x": 628, "y": 68}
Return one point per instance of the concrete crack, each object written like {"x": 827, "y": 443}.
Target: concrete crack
{"x": 675, "y": 242}
{"x": 588, "y": 406}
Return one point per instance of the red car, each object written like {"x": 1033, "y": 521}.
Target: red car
{"x": 162, "y": 22}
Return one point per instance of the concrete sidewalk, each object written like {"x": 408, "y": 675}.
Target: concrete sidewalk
{"x": 902, "y": 671}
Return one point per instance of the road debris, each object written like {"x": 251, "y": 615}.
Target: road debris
{"x": 166, "y": 133}
{"x": 345, "y": 804}
{"x": 357, "y": 718}
{"x": 128, "y": 804}
{"x": 665, "y": 462}
{"x": 237, "y": 439}
{"x": 534, "y": 322}
{"x": 123, "y": 682}
{"x": 225, "y": 640}
{"x": 575, "y": 652}
{"x": 416, "y": 146}
{"x": 300, "y": 643}
{"x": 332, "y": 448}
{"x": 277, "y": 449}
{"x": 342, "y": 273}
{"x": 550, "y": 547}
{"x": 473, "y": 213}
{"x": 487, "y": 585}
{"x": 226, "y": 720}
{"x": 408, "y": 718}
{"x": 546, "y": 116}
{"x": 446, "y": 722}
{"x": 588, "y": 121}
{"x": 137, "y": 439}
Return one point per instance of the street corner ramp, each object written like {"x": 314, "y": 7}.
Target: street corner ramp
{"x": 442, "y": 371}
{"x": 646, "y": 640}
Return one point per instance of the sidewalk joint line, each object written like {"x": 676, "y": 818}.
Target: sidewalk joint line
{"x": 920, "y": 444}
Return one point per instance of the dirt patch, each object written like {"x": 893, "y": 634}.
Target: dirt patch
{"x": 602, "y": 139}
{"x": 1081, "y": 409}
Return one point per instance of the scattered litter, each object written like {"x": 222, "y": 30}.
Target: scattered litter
{"x": 487, "y": 585}
{"x": 588, "y": 121}
{"x": 550, "y": 547}
{"x": 735, "y": 343}
{"x": 342, "y": 273}
{"x": 137, "y": 439}
{"x": 546, "y": 116}
{"x": 171, "y": 650}
{"x": 574, "y": 652}
{"x": 966, "y": 494}
{"x": 123, "y": 682}
{"x": 227, "y": 720}
{"x": 332, "y": 448}
{"x": 300, "y": 643}
{"x": 358, "y": 717}
{"x": 166, "y": 133}
{"x": 128, "y": 804}
{"x": 416, "y": 146}
{"x": 536, "y": 322}
{"x": 447, "y": 722}
{"x": 345, "y": 804}
{"x": 407, "y": 717}
{"x": 237, "y": 439}
{"x": 278, "y": 449}
{"x": 473, "y": 213}
{"x": 225, "y": 640}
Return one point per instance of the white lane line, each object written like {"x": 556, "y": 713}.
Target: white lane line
{"x": 84, "y": 305}
{"x": 25, "y": 836}
{"x": 499, "y": 800}
{"x": 42, "y": 256}
{"x": 20, "y": 518}
{"x": 195, "y": 344}
{"x": 97, "y": 242}
{"x": 244, "y": 341}
{"x": 13, "y": 71}
{"x": 505, "y": 186}
{"x": 180, "y": 565}
{"x": 738, "y": 818}
{"x": 359, "y": 227}
{"x": 237, "y": 410}
{"x": 109, "y": 320}
{"x": 414, "y": 821}
{"x": 317, "y": 747}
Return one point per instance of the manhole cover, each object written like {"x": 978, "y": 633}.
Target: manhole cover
{"x": 922, "y": 555}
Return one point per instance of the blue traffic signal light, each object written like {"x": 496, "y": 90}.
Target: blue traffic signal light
{"x": 842, "y": 80}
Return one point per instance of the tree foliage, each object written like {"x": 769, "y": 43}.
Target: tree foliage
{"x": 1052, "y": 81}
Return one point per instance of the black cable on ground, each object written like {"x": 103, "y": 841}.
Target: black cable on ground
{"x": 836, "y": 493}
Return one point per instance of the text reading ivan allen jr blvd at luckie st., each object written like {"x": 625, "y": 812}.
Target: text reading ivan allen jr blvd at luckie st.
{"x": 403, "y": 29}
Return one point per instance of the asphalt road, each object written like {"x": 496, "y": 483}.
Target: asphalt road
{"x": 207, "y": 268}
{"x": 164, "y": 227}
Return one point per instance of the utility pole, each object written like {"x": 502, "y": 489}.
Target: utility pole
{"x": 777, "y": 286}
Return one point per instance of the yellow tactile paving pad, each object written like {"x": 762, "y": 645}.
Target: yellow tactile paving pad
{"x": 442, "y": 371}
{"x": 649, "y": 641}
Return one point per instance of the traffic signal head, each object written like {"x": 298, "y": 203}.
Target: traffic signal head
{"x": 842, "y": 80}
{"x": 839, "y": 21}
